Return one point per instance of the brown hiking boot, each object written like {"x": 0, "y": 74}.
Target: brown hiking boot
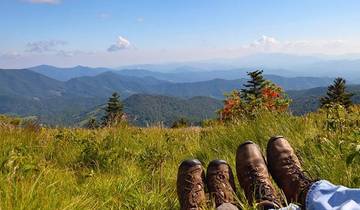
{"x": 190, "y": 185}
{"x": 220, "y": 182}
{"x": 254, "y": 177}
{"x": 286, "y": 170}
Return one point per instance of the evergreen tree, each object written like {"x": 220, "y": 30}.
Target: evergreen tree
{"x": 92, "y": 123}
{"x": 113, "y": 110}
{"x": 181, "y": 123}
{"x": 254, "y": 86}
{"x": 337, "y": 94}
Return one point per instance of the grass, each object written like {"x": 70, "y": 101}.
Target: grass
{"x": 127, "y": 167}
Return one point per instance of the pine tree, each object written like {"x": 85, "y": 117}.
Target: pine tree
{"x": 254, "y": 86}
{"x": 337, "y": 94}
{"x": 113, "y": 110}
{"x": 181, "y": 123}
{"x": 92, "y": 123}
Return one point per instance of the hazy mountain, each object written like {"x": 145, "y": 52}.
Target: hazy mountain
{"x": 288, "y": 83}
{"x": 28, "y": 84}
{"x": 271, "y": 60}
{"x": 349, "y": 69}
{"x": 289, "y": 65}
{"x": 106, "y": 83}
{"x": 64, "y": 74}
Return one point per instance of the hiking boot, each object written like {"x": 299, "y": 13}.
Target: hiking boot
{"x": 286, "y": 170}
{"x": 254, "y": 177}
{"x": 220, "y": 182}
{"x": 190, "y": 185}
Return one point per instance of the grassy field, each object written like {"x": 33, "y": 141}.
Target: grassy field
{"x": 127, "y": 167}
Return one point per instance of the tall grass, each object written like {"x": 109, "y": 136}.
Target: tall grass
{"x": 127, "y": 167}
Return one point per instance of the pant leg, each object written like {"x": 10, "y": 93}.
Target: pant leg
{"x": 227, "y": 206}
{"x": 323, "y": 195}
{"x": 291, "y": 206}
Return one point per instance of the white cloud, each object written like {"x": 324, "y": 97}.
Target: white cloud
{"x": 265, "y": 40}
{"x": 271, "y": 44}
{"x": 10, "y": 55}
{"x": 44, "y": 46}
{"x": 44, "y": 1}
{"x": 73, "y": 53}
{"x": 120, "y": 44}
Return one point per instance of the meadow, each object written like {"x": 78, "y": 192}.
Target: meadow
{"x": 126, "y": 167}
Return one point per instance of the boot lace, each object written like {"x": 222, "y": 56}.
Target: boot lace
{"x": 193, "y": 186}
{"x": 223, "y": 190}
{"x": 259, "y": 186}
{"x": 297, "y": 174}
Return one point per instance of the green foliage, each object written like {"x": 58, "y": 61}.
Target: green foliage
{"x": 337, "y": 94}
{"x": 147, "y": 110}
{"x": 258, "y": 96}
{"x": 113, "y": 110}
{"x": 181, "y": 123}
{"x": 254, "y": 86}
{"x": 9, "y": 121}
{"x": 338, "y": 118}
{"x": 125, "y": 167}
{"x": 92, "y": 123}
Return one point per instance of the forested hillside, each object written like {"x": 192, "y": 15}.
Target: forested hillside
{"x": 26, "y": 93}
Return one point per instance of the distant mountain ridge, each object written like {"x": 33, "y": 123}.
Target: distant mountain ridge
{"x": 64, "y": 74}
{"x": 24, "y": 93}
{"x": 185, "y": 75}
{"x": 108, "y": 82}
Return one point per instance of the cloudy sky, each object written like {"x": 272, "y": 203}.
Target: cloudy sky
{"x": 120, "y": 32}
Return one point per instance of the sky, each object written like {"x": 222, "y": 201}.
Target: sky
{"x": 112, "y": 33}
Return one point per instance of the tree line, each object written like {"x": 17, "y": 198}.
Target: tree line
{"x": 257, "y": 95}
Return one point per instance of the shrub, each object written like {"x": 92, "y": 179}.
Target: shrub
{"x": 261, "y": 95}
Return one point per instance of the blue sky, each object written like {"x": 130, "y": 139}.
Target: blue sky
{"x": 120, "y": 32}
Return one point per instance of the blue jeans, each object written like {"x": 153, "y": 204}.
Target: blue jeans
{"x": 323, "y": 195}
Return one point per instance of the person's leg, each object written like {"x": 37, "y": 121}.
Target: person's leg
{"x": 227, "y": 206}
{"x": 286, "y": 169}
{"x": 221, "y": 185}
{"x": 325, "y": 195}
{"x": 191, "y": 185}
{"x": 254, "y": 177}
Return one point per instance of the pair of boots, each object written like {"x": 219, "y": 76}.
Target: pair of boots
{"x": 253, "y": 173}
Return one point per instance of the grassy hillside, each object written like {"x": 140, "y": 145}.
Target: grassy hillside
{"x": 135, "y": 168}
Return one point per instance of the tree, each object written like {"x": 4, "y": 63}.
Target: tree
{"x": 92, "y": 123}
{"x": 259, "y": 95}
{"x": 254, "y": 86}
{"x": 181, "y": 123}
{"x": 337, "y": 94}
{"x": 113, "y": 110}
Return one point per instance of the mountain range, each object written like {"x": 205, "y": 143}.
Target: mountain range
{"x": 149, "y": 97}
{"x": 33, "y": 85}
{"x": 289, "y": 65}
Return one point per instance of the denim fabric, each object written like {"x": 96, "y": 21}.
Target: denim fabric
{"x": 324, "y": 195}
{"x": 227, "y": 206}
{"x": 291, "y": 206}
